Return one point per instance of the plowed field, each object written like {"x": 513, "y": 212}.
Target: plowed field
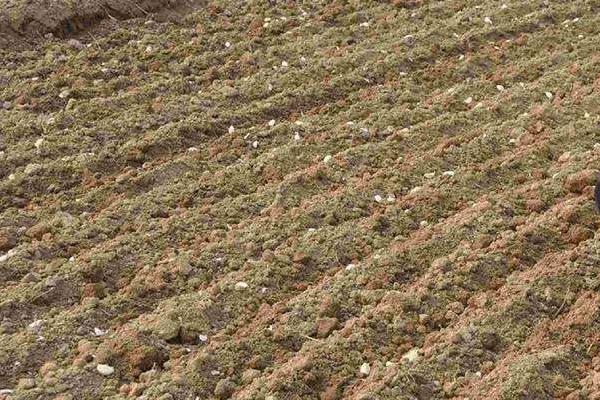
{"x": 283, "y": 200}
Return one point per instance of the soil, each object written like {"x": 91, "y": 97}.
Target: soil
{"x": 299, "y": 200}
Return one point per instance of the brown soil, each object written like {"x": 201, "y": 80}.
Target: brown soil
{"x": 299, "y": 200}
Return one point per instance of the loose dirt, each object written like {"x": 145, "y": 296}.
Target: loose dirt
{"x": 299, "y": 200}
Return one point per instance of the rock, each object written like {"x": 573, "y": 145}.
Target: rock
{"x": 30, "y": 278}
{"x": 105, "y": 369}
{"x": 37, "y": 231}
{"x": 76, "y": 44}
{"x": 32, "y": 168}
{"x": 8, "y": 239}
{"x": 578, "y": 181}
{"x": 408, "y": 40}
{"x": 7, "y": 105}
{"x": 365, "y": 369}
{"x": 241, "y": 286}
{"x": 325, "y": 326}
{"x": 224, "y": 388}
{"x": 36, "y": 325}
{"x": 26, "y": 383}
{"x": 411, "y": 355}
{"x": 249, "y": 375}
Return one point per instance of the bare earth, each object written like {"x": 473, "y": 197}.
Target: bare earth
{"x": 299, "y": 200}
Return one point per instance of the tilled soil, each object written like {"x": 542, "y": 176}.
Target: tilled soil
{"x": 302, "y": 200}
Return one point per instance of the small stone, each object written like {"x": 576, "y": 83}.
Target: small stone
{"x": 365, "y": 369}
{"x": 408, "y": 40}
{"x": 99, "y": 332}
{"x": 500, "y": 88}
{"x": 272, "y": 123}
{"x": 578, "y": 181}
{"x": 38, "y": 143}
{"x": 350, "y": 267}
{"x": 8, "y": 239}
{"x": 36, "y": 325}
{"x": 255, "y": 144}
{"x": 6, "y": 391}
{"x": 468, "y": 100}
{"x": 487, "y": 20}
{"x": 26, "y": 383}
{"x": 203, "y": 338}
{"x": 227, "y": 44}
{"x": 378, "y": 198}
{"x": 30, "y": 277}
{"x": 6, "y": 105}
{"x": 564, "y": 157}
{"x": 249, "y": 375}
{"x": 327, "y": 159}
{"x": 105, "y": 369}
{"x": 449, "y": 174}
{"x": 231, "y": 129}
{"x": 192, "y": 149}
{"x": 411, "y": 355}
{"x": 325, "y": 326}
{"x": 224, "y": 389}
{"x": 241, "y": 285}
{"x": 297, "y": 136}
{"x": 76, "y": 44}
{"x": 64, "y": 94}
{"x": 284, "y": 64}
{"x": 549, "y": 95}
{"x": 32, "y": 168}
{"x": 429, "y": 175}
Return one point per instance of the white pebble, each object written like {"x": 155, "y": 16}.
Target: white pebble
{"x": 549, "y": 95}
{"x": 378, "y": 198}
{"x": 99, "y": 332}
{"x": 31, "y": 168}
{"x": 350, "y": 267}
{"x": 448, "y": 173}
{"x": 241, "y": 285}
{"x": 391, "y": 197}
{"x": 411, "y": 355}
{"x": 297, "y": 136}
{"x": 364, "y": 24}
{"x": 192, "y": 149}
{"x": 6, "y": 391}
{"x": 284, "y": 64}
{"x": 468, "y": 100}
{"x": 327, "y": 159}
{"x": 272, "y": 123}
{"x": 64, "y": 94}
{"x": 504, "y": 6}
{"x": 227, "y": 44}
{"x": 255, "y": 144}
{"x": 203, "y": 338}
{"x": 231, "y": 129}
{"x": 105, "y": 369}
{"x": 11, "y": 177}
{"x": 424, "y": 223}
{"x": 564, "y": 157}
{"x": 500, "y": 88}
{"x": 487, "y": 20}
{"x": 429, "y": 175}
{"x": 365, "y": 369}
{"x": 38, "y": 143}
{"x": 36, "y": 325}
{"x": 415, "y": 189}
